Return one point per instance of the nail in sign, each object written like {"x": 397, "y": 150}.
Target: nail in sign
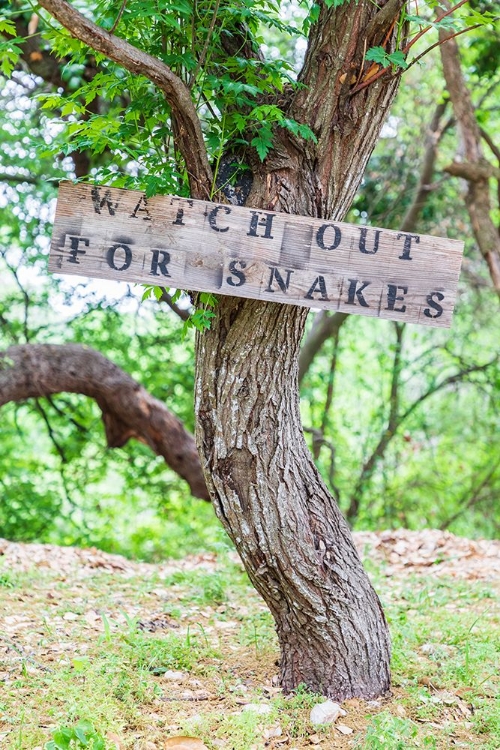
{"x": 108, "y": 233}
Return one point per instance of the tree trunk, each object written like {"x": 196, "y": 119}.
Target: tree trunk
{"x": 292, "y": 538}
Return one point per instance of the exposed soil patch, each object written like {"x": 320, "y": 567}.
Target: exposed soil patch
{"x": 147, "y": 652}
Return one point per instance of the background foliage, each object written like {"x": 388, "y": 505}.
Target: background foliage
{"x": 434, "y": 394}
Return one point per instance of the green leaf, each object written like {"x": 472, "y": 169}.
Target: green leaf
{"x": 378, "y": 55}
{"x": 207, "y": 298}
{"x": 158, "y": 292}
{"x": 62, "y": 738}
{"x": 7, "y": 27}
{"x": 263, "y": 141}
{"x": 398, "y": 59}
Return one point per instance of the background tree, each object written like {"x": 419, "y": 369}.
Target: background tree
{"x": 267, "y": 494}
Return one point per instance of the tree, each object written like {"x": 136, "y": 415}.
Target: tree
{"x": 306, "y": 144}
{"x": 128, "y": 411}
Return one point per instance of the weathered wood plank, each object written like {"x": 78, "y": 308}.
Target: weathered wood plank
{"x": 174, "y": 242}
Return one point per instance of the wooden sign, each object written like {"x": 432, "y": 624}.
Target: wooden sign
{"x": 168, "y": 241}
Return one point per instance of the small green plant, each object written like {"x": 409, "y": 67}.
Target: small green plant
{"x": 82, "y": 735}
{"x": 158, "y": 655}
{"x": 200, "y": 319}
{"x": 379, "y": 55}
{"x": 7, "y": 579}
{"x": 388, "y": 732}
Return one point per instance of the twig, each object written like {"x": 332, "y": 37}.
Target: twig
{"x": 400, "y": 72}
{"x": 201, "y": 60}
{"x": 19, "y": 178}
{"x": 118, "y": 17}
{"x": 428, "y": 28}
{"x": 438, "y": 44}
{"x": 10, "y": 644}
{"x": 183, "y": 314}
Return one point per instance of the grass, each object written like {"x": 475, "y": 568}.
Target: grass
{"x": 118, "y": 662}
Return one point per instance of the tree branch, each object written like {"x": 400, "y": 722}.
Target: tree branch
{"x": 18, "y": 179}
{"x": 473, "y": 172}
{"x": 393, "y": 423}
{"x": 187, "y": 126}
{"x": 396, "y": 419}
{"x": 182, "y": 313}
{"x": 434, "y": 135}
{"x": 324, "y": 327}
{"x": 128, "y": 410}
{"x": 478, "y": 193}
{"x": 475, "y": 498}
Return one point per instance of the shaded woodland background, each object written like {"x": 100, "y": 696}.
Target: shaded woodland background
{"x": 403, "y": 421}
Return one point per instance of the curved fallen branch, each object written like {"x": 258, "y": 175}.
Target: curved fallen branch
{"x": 128, "y": 410}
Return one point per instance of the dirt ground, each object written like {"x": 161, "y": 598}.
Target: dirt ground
{"x": 76, "y": 620}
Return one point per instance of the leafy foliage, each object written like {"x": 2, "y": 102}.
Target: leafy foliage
{"x": 58, "y": 480}
{"x": 379, "y": 55}
{"x": 81, "y": 735}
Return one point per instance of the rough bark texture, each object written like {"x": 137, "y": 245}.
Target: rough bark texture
{"x": 296, "y": 546}
{"x": 292, "y": 538}
{"x": 128, "y": 410}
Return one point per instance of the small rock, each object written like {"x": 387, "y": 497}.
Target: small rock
{"x": 344, "y": 729}
{"x": 258, "y": 708}
{"x": 171, "y": 674}
{"x": 326, "y": 713}
{"x": 272, "y": 732}
{"x": 314, "y": 739}
{"x": 70, "y": 616}
{"x": 184, "y": 743}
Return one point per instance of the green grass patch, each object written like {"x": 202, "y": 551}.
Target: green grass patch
{"x": 86, "y": 658}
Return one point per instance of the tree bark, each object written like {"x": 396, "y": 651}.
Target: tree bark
{"x": 289, "y": 532}
{"x": 292, "y": 538}
{"x": 128, "y": 410}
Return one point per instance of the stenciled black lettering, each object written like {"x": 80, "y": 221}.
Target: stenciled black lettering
{"x": 180, "y": 211}
{"x": 276, "y": 276}
{"x": 158, "y": 264}
{"x": 110, "y": 257}
{"x": 320, "y": 237}
{"x": 212, "y": 218}
{"x": 435, "y": 305}
{"x": 407, "y": 245}
{"x": 353, "y": 292}
{"x": 393, "y": 297}
{"x": 105, "y": 201}
{"x": 362, "y": 241}
{"x": 318, "y": 286}
{"x": 240, "y": 276}
{"x": 74, "y": 250}
{"x": 265, "y": 220}
{"x": 141, "y": 209}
